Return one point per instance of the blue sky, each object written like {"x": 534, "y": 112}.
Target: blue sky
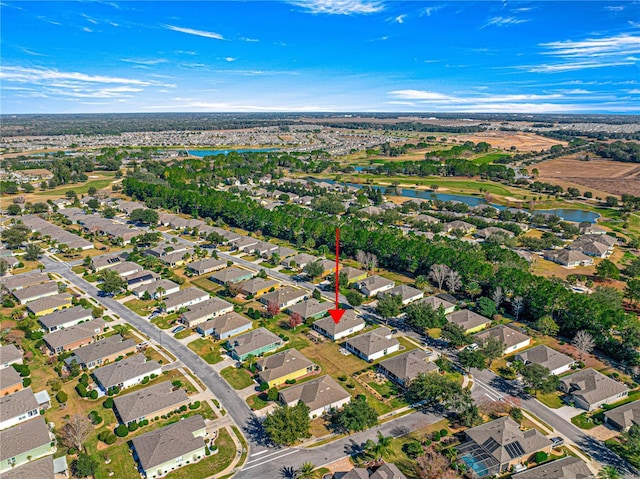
{"x": 320, "y": 55}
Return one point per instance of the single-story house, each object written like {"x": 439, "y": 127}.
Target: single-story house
{"x": 244, "y": 243}
{"x": 10, "y": 381}
{"x": 18, "y": 407}
{"x": 459, "y": 225}
{"x": 310, "y": 309}
{"x": 623, "y": 417}
{"x": 149, "y": 402}
{"x": 65, "y": 318}
{"x": 589, "y": 389}
{"x": 285, "y": 297}
{"x": 261, "y": 248}
{"x": 125, "y": 268}
{"x": 320, "y": 395}
{"x": 185, "y": 298}
{"x": 201, "y": 312}
{"x": 225, "y": 326}
{"x": 567, "y": 257}
{"x": 165, "y": 249}
{"x": 298, "y": 261}
{"x": 42, "y": 468}
{"x": 257, "y": 286}
{"x": 253, "y": 343}
{"x": 556, "y": 362}
{"x": 282, "y": 252}
{"x": 494, "y": 447}
{"x": 9, "y": 354}
{"x": 569, "y": 467}
{"x": 493, "y": 230}
{"x": 591, "y": 247}
{"x": 126, "y": 373}
{"x": 141, "y": 278}
{"x": 102, "y": 352}
{"x": 406, "y": 293}
{"x": 374, "y": 285}
{"x": 469, "y": 321}
{"x": 157, "y": 289}
{"x": 328, "y": 267}
{"x": 36, "y": 291}
{"x": 349, "y": 324}
{"x": 510, "y": 337}
{"x": 435, "y": 302}
{"x": 101, "y": 262}
{"x": 353, "y": 274}
{"x": 25, "y": 442}
{"x": 231, "y": 275}
{"x": 281, "y": 367}
{"x": 19, "y": 281}
{"x": 373, "y": 344}
{"x": 163, "y": 450}
{"x": 206, "y": 265}
{"x": 49, "y": 304}
{"x": 75, "y": 336}
{"x": 404, "y": 368}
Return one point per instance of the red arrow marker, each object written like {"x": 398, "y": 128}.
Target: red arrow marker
{"x": 337, "y": 313}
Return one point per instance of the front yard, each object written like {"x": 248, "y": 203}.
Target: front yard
{"x": 238, "y": 378}
{"x": 206, "y": 349}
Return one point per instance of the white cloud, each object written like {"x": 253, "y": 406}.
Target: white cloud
{"x": 34, "y": 75}
{"x": 191, "y": 31}
{"x": 187, "y": 104}
{"x": 146, "y": 62}
{"x": 594, "y": 47}
{"x": 614, "y": 8}
{"x": 635, "y": 91}
{"x": 399, "y": 19}
{"x": 340, "y": 7}
{"x": 573, "y": 66}
{"x": 230, "y": 59}
{"x": 429, "y": 10}
{"x": 88, "y": 30}
{"x": 503, "y": 22}
{"x": 431, "y": 97}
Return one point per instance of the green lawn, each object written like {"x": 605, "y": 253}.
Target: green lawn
{"x": 583, "y": 421}
{"x": 79, "y": 188}
{"x": 238, "y": 378}
{"x": 551, "y": 400}
{"x": 185, "y": 333}
{"x": 165, "y": 322}
{"x": 206, "y": 350}
{"x": 140, "y": 307}
{"x": 488, "y": 158}
{"x": 386, "y": 388}
{"x": 210, "y": 465}
{"x": 258, "y": 401}
{"x": 206, "y": 284}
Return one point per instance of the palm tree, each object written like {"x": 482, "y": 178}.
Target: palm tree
{"x": 609, "y": 472}
{"x": 306, "y": 471}
{"x": 380, "y": 448}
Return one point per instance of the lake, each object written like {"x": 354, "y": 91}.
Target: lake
{"x": 564, "y": 213}
{"x": 203, "y": 153}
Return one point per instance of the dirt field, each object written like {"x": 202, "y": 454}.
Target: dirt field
{"x": 506, "y": 139}
{"x": 608, "y": 177}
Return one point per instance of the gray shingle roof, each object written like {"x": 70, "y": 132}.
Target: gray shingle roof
{"x": 72, "y": 334}
{"x": 39, "y": 469}
{"x": 9, "y": 377}
{"x": 23, "y": 280}
{"x": 281, "y": 364}
{"x": 147, "y": 401}
{"x": 508, "y": 336}
{"x": 373, "y": 341}
{"x": 436, "y": 302}
{"x": 9, "y": 353}
{"x": 626, "y": 415}
{"x": 252, "y": 340}
{"x": 64, "y": 316}
{"x": 349, "y": 320}
{"x": 129, "y": 368}
{"x": 231, "y": 274}
{"x": 206, "y": 309}
{"x": 285, "y": 295}
{"x": 310, "y": 307}
{"x": 225, "y": 323}
{"x": 35, "y": 291}
{"x": 467, "y": 319}
{"x": 569, "y": 467}
{"x": 592, "y": 385}
{"x": 169, "y": 442}
{"x": 51, "y": 302}
{"x": 208, "y": 264}
{"x": 255, "y": 285}
{"x": 545, "y": 356}
{"x": 17, "y": 403}
{"x": 184, "y": 296}
{"x": 407, "y": 366}
{"x": 505, "y": 441}
{"x": 23, "y": 438}
{"x": 103, "y": 348}
{"x": 388, "y": 471}
{"x": 317, "y": 393}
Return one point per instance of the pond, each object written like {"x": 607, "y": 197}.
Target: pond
{"x": 564, "y": 213}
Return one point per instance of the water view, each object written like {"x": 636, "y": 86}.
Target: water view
{"x": 203, "y": 153}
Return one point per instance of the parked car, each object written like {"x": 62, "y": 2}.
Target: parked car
{"x": 154, "y": 315}
{"x": 177, "y": 329}
{"x": 557, "y": 442}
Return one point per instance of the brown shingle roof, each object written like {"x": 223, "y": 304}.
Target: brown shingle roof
{"x": 373, "y": 341}
{"x": 569, "y": 467}
{"x": 467, "y": 319}
{"x": 407, "y": 366}
{"x": 316, "y": 393}
{"x": 281, "y": 364}
{"x": 506, "y": 335}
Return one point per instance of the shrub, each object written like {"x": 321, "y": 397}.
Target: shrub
{"x": 516, "y": 414}
{"x": 413, "y": 449}
{"x": 108, "y": 403}
{"x": 111, "y": 439}
{"x": 177, "y": 383}
{"x": 145, "y": 380}
{"x": 103, "y": 436}
{"x": 61, "y": 397}
{"x": 26, "y": 382}
{"x": 540, "y": 456}
{"x": 144, "y": 422}
{"x": 443, "y": 432}
{"x": 153, "y": 376}
{"x": 272, "y": 395}
{"x": 121, "y": 430}
{"x": 94, "y": 394}
{"x": 264, "y": 386}
{"x": 81, "y": 390}
{"x": 133, "y": 426}
{"x": 84, "y": 379}
{"x": 183, "y": 408}
{"x": 436, "y": 436}
{"x": 194, "y": 405}
{"x": 342, "y": 377}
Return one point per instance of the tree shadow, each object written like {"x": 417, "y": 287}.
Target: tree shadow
{"x": 287, "y": 472}
{"x": 256, "y": 432}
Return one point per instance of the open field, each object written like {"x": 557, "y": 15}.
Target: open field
{"x": 602, "y": 177}
{"x": 506, "y": 139}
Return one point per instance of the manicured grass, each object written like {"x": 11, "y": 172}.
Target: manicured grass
{"x": 258, "y": 401}
{"x": 583, "y": 421}
{"x": 488, "y": 158}
{"x": 140, "y": 307}
{"x": 386, "y": 388}
{"x": 210, "y": 465}
{"x": 165, "y": 322}
{"x": 122, "y": 464}
{"x": 185, "y": 333}
{"x": 551, "y": 400}
{"x": 206, "y": 284}
{"x": 206, "y": 350}
{"x": 79, "y": 188}
{"x": 238, "y": 378}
